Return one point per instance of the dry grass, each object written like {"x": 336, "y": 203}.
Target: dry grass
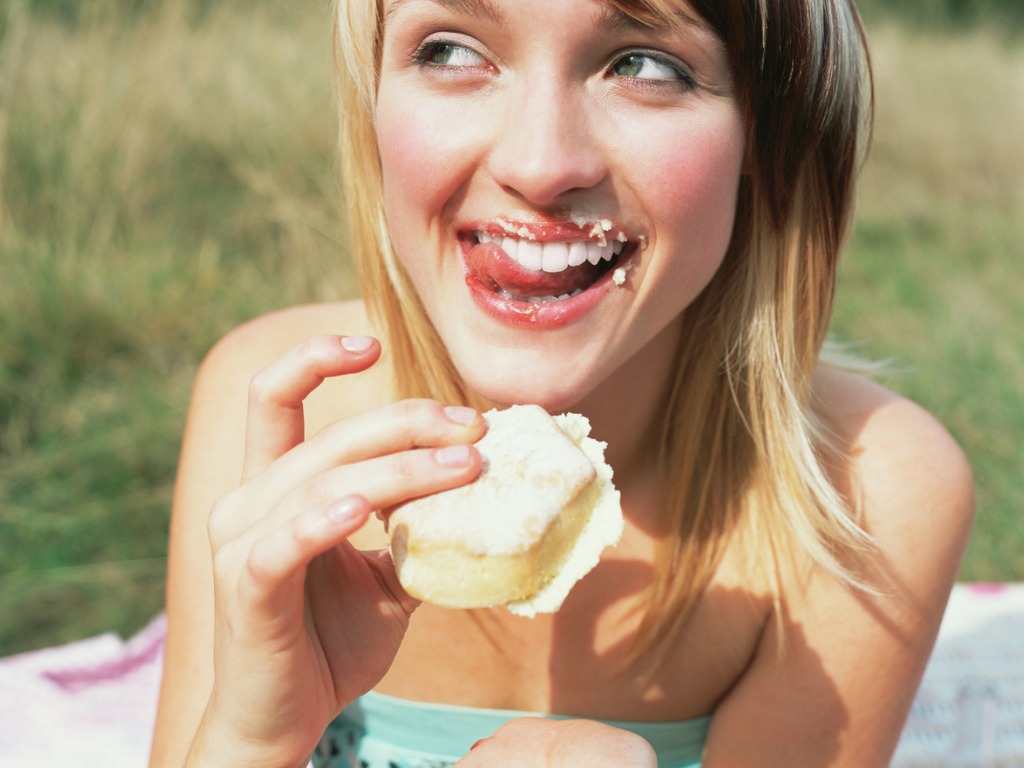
{"x": 168, "y": 173}
{"x": 933, "y": 277}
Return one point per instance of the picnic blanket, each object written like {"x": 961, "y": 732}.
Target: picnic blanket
{"x": 92, "y": 702}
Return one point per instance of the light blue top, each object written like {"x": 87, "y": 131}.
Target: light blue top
{"x": 379, "y": 731}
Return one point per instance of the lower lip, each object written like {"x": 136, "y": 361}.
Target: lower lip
{"x": 524, "y": 314}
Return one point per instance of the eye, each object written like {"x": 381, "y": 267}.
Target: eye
{"x": 443, "y": 54}
{"x": 642, "y": 65}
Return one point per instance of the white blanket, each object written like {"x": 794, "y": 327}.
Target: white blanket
{"x": 92, "y": 702}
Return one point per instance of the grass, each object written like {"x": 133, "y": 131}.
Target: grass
{"x": 932, "y": 279}
{"x": 166, "y": 171}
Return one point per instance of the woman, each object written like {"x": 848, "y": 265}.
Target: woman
{"x": 792, "y": 530}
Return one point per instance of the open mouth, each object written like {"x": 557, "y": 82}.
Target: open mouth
{"x": 539, "y": 265}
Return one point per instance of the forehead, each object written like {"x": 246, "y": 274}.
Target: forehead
{"x": 613, "y": 14}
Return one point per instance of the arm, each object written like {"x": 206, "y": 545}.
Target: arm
{"x": 279, "y": 623}
{"x": 838, "y": 691}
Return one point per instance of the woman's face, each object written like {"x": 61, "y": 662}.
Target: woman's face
{"x": 519, "y": 137}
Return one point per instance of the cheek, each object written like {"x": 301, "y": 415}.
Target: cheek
{"x": 690, "y": 175}
{"x": 422, "y": 157}
{"x": 692, "y": 191}
{"x": 697, "y": 182}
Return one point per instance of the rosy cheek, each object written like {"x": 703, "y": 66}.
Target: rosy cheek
{"x": 421, "y": 156}
{"x": 692, "y": 198}
{"x": 406, "y": 157}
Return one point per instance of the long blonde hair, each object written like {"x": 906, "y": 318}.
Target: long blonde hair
{"x": 754, "y": 459}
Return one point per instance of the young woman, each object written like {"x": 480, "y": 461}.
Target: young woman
{"x": 792, "y": 530}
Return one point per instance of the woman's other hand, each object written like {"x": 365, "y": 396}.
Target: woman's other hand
{"x": 304, "y": 622}
{"x": 544, "y": 743}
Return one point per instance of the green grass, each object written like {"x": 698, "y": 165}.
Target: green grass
{"x": 932, "y": 279}
{"x": 161, "y": 180}
{"x": 166, "y": 171}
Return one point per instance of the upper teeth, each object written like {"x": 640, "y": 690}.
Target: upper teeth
{"x": 552, "y": 257}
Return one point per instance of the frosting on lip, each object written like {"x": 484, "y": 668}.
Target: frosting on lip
{"x": 541, "y": 262}
{"x": 576, "y": 228}
{"x": 544, "y": 273}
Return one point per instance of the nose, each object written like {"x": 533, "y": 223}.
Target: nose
{"x": 545, "y": 148}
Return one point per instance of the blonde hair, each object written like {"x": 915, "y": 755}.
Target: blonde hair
{"x": 754, "y": 460}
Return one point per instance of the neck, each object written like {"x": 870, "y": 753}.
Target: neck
{"x": 628, "y": 412}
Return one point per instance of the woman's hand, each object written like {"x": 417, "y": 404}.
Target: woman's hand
{"x": 304, "y": 622}
{"x": 544, "y": 743}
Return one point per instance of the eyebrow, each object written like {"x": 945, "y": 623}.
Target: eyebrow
{"x": 481, "y": 9}
{"x": 613, "y": 19}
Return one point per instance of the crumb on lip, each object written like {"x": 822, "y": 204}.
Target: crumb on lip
{"x": 597, "y": 229}
{"x": 619, "y": 276}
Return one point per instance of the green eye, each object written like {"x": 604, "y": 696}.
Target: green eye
{"x": 645, "y": 66}
{"x": 630, "y": 66}
{"x": 449, "y": 55}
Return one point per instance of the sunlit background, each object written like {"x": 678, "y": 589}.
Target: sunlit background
{"x": 167, "y": 171}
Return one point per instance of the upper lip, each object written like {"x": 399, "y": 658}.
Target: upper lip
{"x": 577, "y": 228}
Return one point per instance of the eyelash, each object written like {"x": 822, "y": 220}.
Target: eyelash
{"x": 427, "y": 48}
{"x": 684, "y": 77}
{"x": 421, "y": 57}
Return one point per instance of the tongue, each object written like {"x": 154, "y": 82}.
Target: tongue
{"x": 491, "y": 266}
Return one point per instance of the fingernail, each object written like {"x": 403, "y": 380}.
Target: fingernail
{"x": 460, "y": 414}
{"x": 356, "y": 344}
{"x": 345, "y": 510}
{"x": 452, "y": 456}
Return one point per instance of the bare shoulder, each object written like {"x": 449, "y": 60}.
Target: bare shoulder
{"x": 852, "y": 658}
{"x": 910, "y": 476}
{"x": 255, "y": 344}
{"x": 244, "y": 351}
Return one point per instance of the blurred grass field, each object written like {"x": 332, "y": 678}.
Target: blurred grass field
{"x": 166, "y": 171}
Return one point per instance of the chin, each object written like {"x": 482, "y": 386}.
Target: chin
{"x": 553, "y": 393}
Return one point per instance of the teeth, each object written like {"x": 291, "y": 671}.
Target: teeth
{"x": 538, "y": 299}
{"x": 552, "y": 257}
{"x": 555, "y": 257}
{"x": 529, "y": 254}
{"x": 577, "y": 253}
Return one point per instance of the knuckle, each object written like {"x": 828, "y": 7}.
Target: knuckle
{"x": 314, "y": 351}
{"x": 303, "y": 531}
{"x": 335, "y": 433}
{"x": 320, "y": 490}
{"x": 309, "y": 349}
{"x": 260, "y": 387}
{"x": 217, "y": 523}
{"x": 421, "y": 418}
{"x": 406, "y": 466}
{"x": 225, "y": 560}
{"x": 259, "y": 565}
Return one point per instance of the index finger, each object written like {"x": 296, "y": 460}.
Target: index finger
{"x": 275, "y": 421}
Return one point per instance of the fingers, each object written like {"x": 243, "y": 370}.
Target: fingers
{"x": 383, "y": 481}
{"x": 560, "y": 744}
{"x": 388, "y": 430}
{"x": 276, "y": 565}
{"x": 389, "y": 480}
{"x": 368, "y": 454}
{"x": 275, "y": 415}
{"x": 578, "y": 738}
